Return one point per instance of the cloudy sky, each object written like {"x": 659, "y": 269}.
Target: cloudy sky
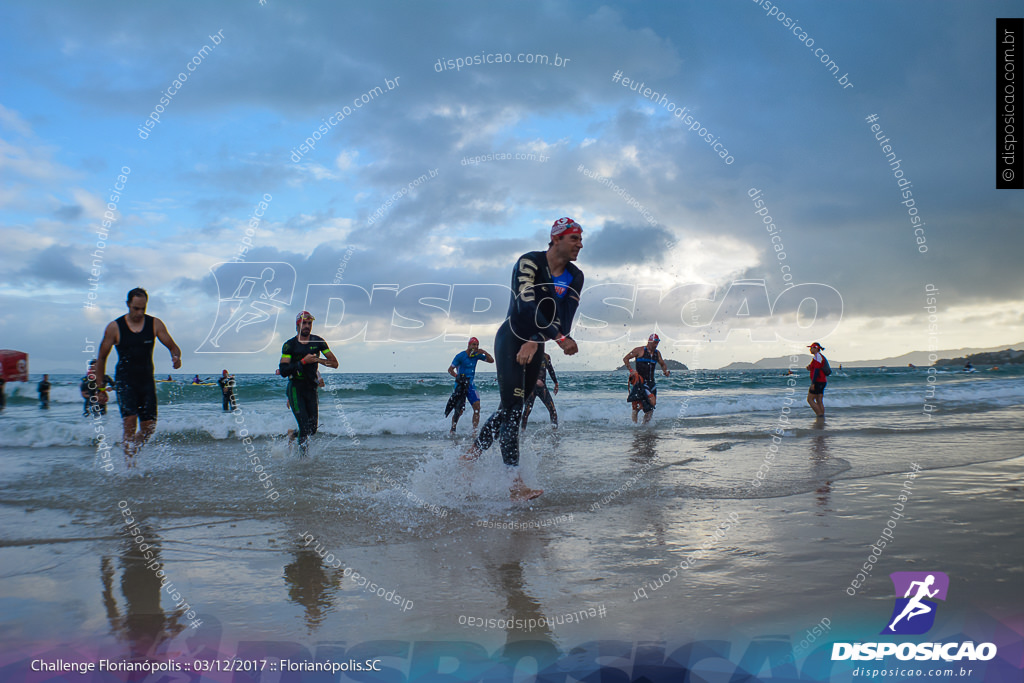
{"x": 429, "y": 174}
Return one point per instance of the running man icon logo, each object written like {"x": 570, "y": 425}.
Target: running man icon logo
{"x": 913, "y": 613}
{"x": 247, "y": 317}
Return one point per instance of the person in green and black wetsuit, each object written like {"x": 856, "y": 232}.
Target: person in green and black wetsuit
{"x": 297, "y": 355}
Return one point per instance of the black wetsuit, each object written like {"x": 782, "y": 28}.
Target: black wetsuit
{"x": 90, "y": 388}
{"x": 535, "y": 313}
{"x": 227, "y": 387}
{"x": 541, "y": 391}
{"x": 302, "y": 384}
{"x": 133, "y": 377}
{"x": 44, "y": 394}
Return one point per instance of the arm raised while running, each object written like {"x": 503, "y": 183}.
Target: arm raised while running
{"x": 635, "y": 353}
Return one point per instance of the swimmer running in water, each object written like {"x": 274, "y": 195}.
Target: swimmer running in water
{"x": 464, "y": 367}
{"x": 546, "y": 288}
{"x": 132, "y": 335}
{"x": 646, "y": 357}
{"x": 297, "y": 354}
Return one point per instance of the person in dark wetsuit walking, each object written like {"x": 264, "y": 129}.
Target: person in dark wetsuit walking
{"x": 133, "y": 335}
{"x": 297, "y": 354}
{"x": 546, "y": 290}
{"x": 646, "y": 357}
{"x": 540, "y": 390}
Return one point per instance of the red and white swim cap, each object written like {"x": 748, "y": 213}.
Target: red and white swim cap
{"x": 566, "y": 226}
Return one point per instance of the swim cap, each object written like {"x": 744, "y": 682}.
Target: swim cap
{"x": 566, "y": 226}
{"x": 654, "y": 338}
{"x": 474, "y": 340}
{"x": 303, "y": 316}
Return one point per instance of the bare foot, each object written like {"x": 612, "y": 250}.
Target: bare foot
{"x": 472, "y": 454}
{"x": 521, "y": 491}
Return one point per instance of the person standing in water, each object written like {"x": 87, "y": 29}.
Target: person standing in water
{"x": 227, "y": 387}
{"x": 44, "y": 392}
{"x": 816, "y": 393}
{"x": 546, "y": 288}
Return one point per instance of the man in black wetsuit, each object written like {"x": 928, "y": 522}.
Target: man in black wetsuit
{"x": 227, "y": 388}
{"x": 540, "y": 390}
{"x": 44, "y": 392}
{"x": 646, "y": 357}
{"x": 133, "y": 335}
{"x": 546, "y": 290}
{"x": 297, "y": 354}
{"x": 95, "y": 400}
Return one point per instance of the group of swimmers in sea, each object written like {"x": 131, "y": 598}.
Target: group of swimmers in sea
{"x": 545, "y": 296}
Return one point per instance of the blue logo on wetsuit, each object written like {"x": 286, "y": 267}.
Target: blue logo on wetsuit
{"x": 562, "y": 283}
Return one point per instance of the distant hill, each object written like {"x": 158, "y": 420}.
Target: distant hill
{"x": 1005, "y": 357}
{"x": 672, "y": 365}
{"x": 915, "y": 357}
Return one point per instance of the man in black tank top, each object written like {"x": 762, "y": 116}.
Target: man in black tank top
{"x": 133, "y": 334}
{"x": 646, "y": 357}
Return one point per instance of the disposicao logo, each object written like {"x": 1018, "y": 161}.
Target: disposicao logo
{"x": 914, "y": 614}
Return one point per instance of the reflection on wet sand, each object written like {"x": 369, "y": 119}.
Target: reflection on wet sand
{"x": 311, "y": 586}
{"x": 141, "y": 622}
{"x": 525, "y": 610}
{"x": 819, "y": 459}
{"x": 643, "y": 450}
